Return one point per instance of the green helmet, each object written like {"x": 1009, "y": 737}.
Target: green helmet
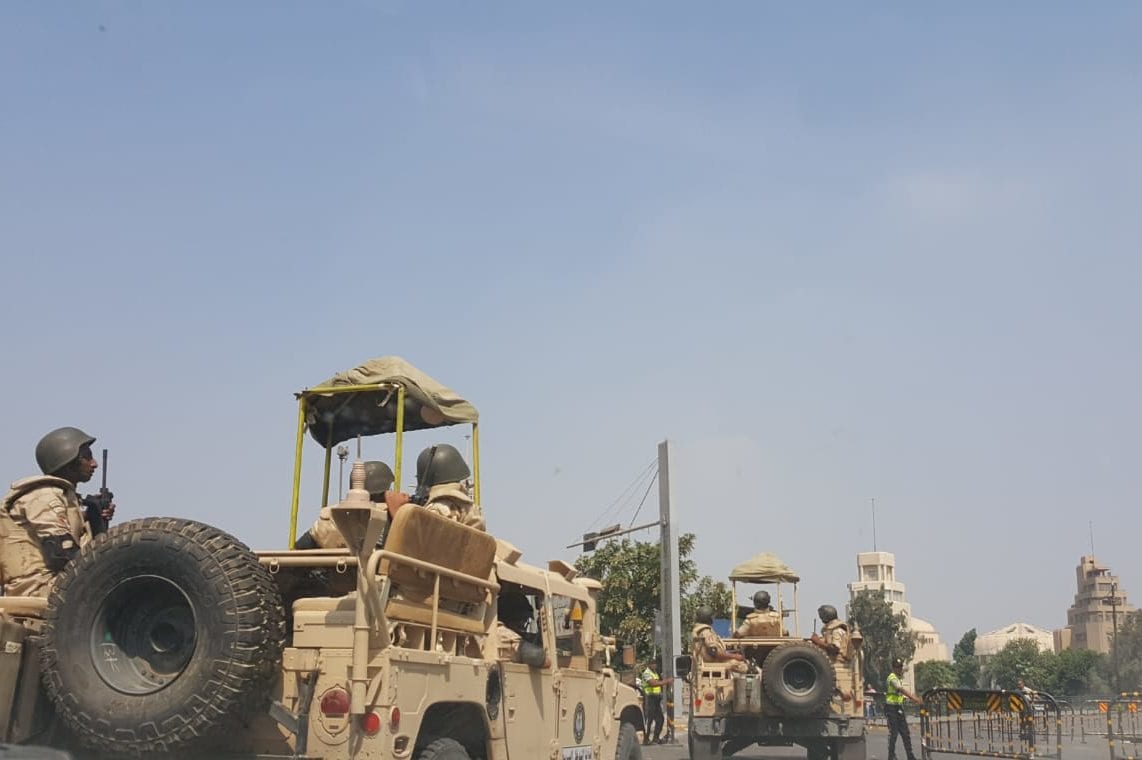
{"x": 440, "y": 464}
{"x": 827, "y": 613}
{"x": 378, "y": 477}
{"x": 704, "y": 614}
{"x": 761, "y": 600}
{"x": 60, "y": 448}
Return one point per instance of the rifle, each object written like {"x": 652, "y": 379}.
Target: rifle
{"x": 94, "y": 504}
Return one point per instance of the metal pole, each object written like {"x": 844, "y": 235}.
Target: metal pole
{"x": 669, "y": 598}
{"x": 1114, "y": 635}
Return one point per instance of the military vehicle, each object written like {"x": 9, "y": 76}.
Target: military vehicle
{"x": 169, "y": 637}
{"x": 792, "y": 694}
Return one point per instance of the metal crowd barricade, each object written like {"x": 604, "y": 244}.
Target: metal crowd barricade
{"x": 990, "y": 724}
{"x": 1091, "y": 717}
{"x": 1124, "y": 726}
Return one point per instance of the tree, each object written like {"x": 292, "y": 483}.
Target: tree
{"x": 886, "y": 634}
{"x": 1126, "y": 652}
{"x": 1022, "y": 658}
{"x": 965, "y": 662}
{"x": 707, "y": 591}
{"x": 1079, "y": 671}
{"x": 629, "y": 599}
{"x": 935, "y": 674}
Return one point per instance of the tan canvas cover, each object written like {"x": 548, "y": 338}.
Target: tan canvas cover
{"x": 334, "y": 418}
{"x": 764, "y": 568}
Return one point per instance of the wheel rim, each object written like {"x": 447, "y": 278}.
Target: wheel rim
{"x": 799, "y": 677}
{"x": 143, "y": 635}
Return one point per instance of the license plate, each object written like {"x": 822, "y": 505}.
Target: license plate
{"x": 578, "y": 753}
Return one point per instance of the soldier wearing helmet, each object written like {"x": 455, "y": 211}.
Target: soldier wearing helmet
{"x": 707, "y": 646}
{"x": 41, "y": 521}
{"x": 763, "y": 621}
{"x": 324, "y": 533}
{"x": 515, "y": 613}
{"x": 441, "y": 487}
{"x": 834, "y": 635}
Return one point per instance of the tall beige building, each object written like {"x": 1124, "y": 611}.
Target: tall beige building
{"x": 876, "y": 571}
{"x": 1090, "y": 618}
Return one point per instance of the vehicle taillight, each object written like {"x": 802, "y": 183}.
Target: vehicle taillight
{"x": 335, "y": 702}
{"x": 394, "y": 718}
{"x": 371, "y": 723}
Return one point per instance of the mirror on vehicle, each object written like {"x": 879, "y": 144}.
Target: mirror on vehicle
{"x": 682, "y": 665}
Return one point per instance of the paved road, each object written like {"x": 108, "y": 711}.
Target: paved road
{"x": 1095, "y": 749}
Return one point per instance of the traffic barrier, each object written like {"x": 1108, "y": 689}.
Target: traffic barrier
{"x": 1005, "y": 724}
{"x": 1124, "y": 726}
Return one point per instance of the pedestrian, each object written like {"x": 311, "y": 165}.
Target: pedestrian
{"x": 894, "y": 711}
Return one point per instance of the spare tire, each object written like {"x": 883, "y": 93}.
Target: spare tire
{"x": 798, "y": 679}
{"x": 162, "y": 636}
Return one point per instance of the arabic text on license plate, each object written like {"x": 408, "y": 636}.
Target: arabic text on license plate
{"x": 578, "y": 753}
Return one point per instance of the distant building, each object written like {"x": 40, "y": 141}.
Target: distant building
{"x": 992, "y": 643}
{"x": 1090, "y": 619}
{"x": 876, "y": 571}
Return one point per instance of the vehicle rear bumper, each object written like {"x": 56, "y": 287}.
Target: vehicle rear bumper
{"x": 768, "y": 730}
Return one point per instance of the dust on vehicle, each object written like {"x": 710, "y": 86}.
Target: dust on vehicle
{"x": 167, "y": 636}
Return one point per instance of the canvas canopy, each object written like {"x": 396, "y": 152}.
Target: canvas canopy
{"x": 764, "y": 568}
{"x": 336, "y": 417}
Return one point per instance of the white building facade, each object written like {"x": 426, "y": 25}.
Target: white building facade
{"x": 876, "y": 571}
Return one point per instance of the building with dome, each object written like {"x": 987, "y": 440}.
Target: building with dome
{"x": 876, "y": 571}
{"x": 992, "y": 643}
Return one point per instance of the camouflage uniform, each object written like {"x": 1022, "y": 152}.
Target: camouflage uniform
{"x": 325, "y": 532}
{"x": 452, "y": 500}
{"x": 34, "y": 509}
{"x": 509, "y": 642}
{"x": 703, "y": 640}
{"x": 761, "y": 623}
{"x": 836, "y": 634}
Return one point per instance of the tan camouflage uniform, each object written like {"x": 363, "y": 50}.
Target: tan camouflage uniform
{"x": 836, "y": 634}
{"x": 325, "y": 532}
{"x": 509, "y": 642}
{"x": 761, "y": 623}
{"x": 33, "y": 509}
{"x": 703, "y": 640}
{"x": 452, "y": 500}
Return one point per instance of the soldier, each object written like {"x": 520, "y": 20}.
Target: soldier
{"x": 834, "y": 635}
{"x": 440, "y": 486}
{"x": 41, "y": 523}
{"x": 324, "y": 533}
{"x": 515, "y": 613}
{"x": 707, "y": 646}
{"x": 763, "y": 621}
{"x": 834, "y": 638}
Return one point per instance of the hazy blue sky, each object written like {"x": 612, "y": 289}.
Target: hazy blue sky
{"x": 833, "y": 253}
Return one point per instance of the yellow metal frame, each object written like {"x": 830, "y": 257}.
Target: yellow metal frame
{"x": 398, "y": 457}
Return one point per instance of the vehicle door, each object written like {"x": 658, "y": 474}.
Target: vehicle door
{"x": 581, "y": 705}
{"x": 530, "y": 702}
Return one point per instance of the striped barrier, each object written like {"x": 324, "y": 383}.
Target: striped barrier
{"x": 983, "y": 723}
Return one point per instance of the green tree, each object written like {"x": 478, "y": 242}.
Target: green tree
{"x": 706, "y": 591}
{"x": 1126, "y": 652}
{"x": 1022, "y": 658}
{"x": 935, "y": 674}
{"x": 629, "y": 599}
{"x": 965, "y": 662}
{"x": 1079, "y": 671}
{"x": 886, "y": 634}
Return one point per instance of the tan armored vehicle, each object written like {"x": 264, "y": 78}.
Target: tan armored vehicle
{"x": 792, "y": 694}
{"x": 170, "y": 637}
